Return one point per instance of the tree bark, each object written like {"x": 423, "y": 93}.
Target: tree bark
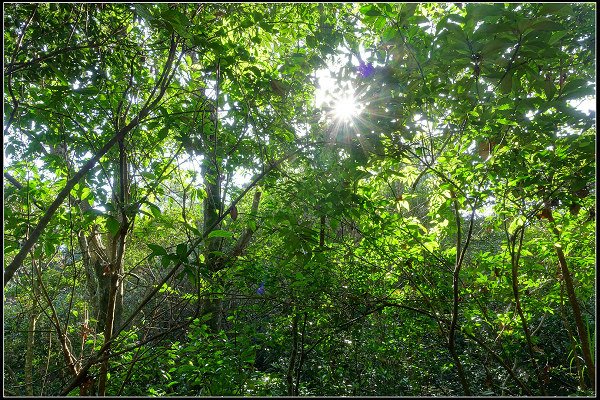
{"x": 108, "y": 331}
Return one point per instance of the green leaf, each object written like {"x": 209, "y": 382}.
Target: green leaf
{"x": 556, "y": 36}
{"x": 154, "y": 210}
{"x": 49, "y": 248}
{"x": 181, "y": 250}
{"x": 390, "y": 33}
{"x": 165, "y": 261}
{"x": 494, "y": 47}
{"x": 552, "y": 8}
{"x": 499, "y": 28}
{"x": 112, "y": 225}
{"x": 85, "y": 193}
{"x": 88, "y": 91}
{"x": 480, "y": 11}
{"x": 549, "y": 89}
{"x": 157, "y": 250}
{"x": 370, "y": 10}
{"x": 504, "y": 121}
{"x": 163, "y": 133}
{"x": 192, "y": 228}
{"x": 431, "y": 246}
{"x": 516, "y": 224}
{"x": 506, "y": 84}
{"x": 546, "y": 26}
{"x": 176, "y": 18}
{"x": 220, "y": 233}
{"x": 577, "y": 88}
{"x": 143, "y": 11}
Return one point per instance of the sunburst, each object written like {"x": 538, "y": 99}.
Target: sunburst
{"x": 346, "y": 108}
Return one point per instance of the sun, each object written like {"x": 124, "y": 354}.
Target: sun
{"x": 338, "y": 99}
{"x": 346, "y": 108}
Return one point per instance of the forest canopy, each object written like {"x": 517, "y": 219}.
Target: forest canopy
{"x": 299, "y": 199}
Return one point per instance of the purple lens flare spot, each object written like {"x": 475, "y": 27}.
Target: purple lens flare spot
{"x": 365, "y": 70}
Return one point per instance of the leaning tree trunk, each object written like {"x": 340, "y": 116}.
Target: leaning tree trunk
{"x": 569, "y": 285}
{"x": 572, "y": 340}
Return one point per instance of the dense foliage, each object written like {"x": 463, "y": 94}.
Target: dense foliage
{"x": 182, "y": 218}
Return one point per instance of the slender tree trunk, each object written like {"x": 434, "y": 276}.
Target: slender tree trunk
{"x": 93, "y": 360}
{"x": 322, "y": 232}
{"x": 48, "y": 357}
{"x": 37, "y": 231}
{"x": 514, "y": 259}
{"x": 33, "y": 317}
{"x": 569, "y": 285}
{"x": 89, "y": 258}
{"x": 63, "y": 338}
{"x": 113, "y": 275}
{"x": 161, "y": 86}
{"x": 459, "y": 367}
{"x": 292, "y": 364}
{"x": 108, "y": 333}
{"x": 302, "y": 358}
{"x": 565, "y": 320}
{"x": 456, "y": 298}
{"x": 502, "y": 362}
{"x": 114, "y": 279}
{"x": 212, "y": 206}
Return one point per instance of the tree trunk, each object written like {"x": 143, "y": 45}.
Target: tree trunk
{"x": 292, "y": 364}
{"x": 111, "y": 279}
{"x": 302, "y": 358}
{"x": 581, "y": 330}
{"x": 33, "y": 317}
{"x": 567, "y": 324}
{"x": 514, "y": 259}
{"x": 212, "y": 206}
{"x": 29, "y": 353}
{"x": 108, "y": 330}
{"x": 456, "y": 297}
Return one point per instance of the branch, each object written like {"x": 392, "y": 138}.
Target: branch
{"x": 37, "y": 231}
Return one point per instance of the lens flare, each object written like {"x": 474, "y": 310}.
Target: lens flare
{"x": 346, "y": 108}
